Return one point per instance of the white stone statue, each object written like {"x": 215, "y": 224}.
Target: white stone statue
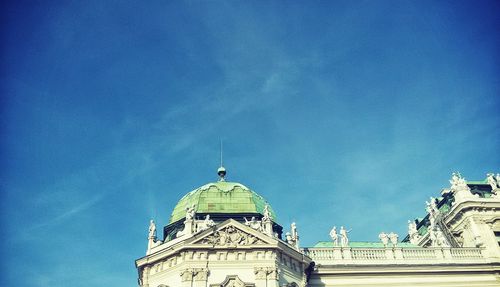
{"x": 152, "y": 237}
{"x": 432, "y": 220}
{"x": 393, "y": 237}
{"x": 267, "y": 214}
{"x": 459, "y": 188}
{"x": 413, "y": 232}
{"x": 458, "y": 182}
{"x": 253, "y": 223}
{"x": 152, "y": 229}
{"x": 455, "y": 180}
{"x": 293, "y": 229}
{"x": 434, "y": 205}
{"x": 441, "y": 239}
{"x": 334, "y": 236}
{"x": 384, "y": 238}
{"x": 433, "y": 237}
{"x": 289, "y": 238}
{"x": 492, "y": 181}
{"x": 295, "y": 234}
{"x": 208, "y": 222}
{"x": 190, "y": 213}
{"x": 344, "y": 240}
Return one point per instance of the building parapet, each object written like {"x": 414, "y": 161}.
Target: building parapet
{"x": 394, "y": 255}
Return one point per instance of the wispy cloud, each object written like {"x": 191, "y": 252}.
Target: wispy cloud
{"x": 73, "y": 211}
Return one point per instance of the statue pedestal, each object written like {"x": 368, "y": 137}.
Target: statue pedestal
{"x": 268, "y": 227}
{"x": 188, "y": 227}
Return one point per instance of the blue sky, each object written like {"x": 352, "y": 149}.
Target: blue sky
{"x": 338, "y": 112}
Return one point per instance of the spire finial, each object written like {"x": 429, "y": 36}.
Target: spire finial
{"x": 221, "y": 171}
{"x": 221, "y": 153}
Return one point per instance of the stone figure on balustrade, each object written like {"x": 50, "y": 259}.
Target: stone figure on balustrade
{"x": 393, "y": 237}
{"x": 334, "y": 236}
{"x": 492, "y": 181}
{"x": 344, "y": 240}
{"x": 384, "y": 238}
{"x": 190, "y": 212}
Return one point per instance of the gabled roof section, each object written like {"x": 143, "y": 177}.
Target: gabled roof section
{"x": 231, "y": 233}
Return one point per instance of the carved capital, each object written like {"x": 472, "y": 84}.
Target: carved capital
{"x": 263, "y": 273}
{"x": 200, "y": 274}
{"x": 187, "y": 275}
{"x": 273, "y": 273}
{"x": 260, "y": 273}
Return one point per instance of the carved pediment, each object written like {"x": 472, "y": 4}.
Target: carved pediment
{"x": 232, "y": 234}
{"x": 233, "y": 281}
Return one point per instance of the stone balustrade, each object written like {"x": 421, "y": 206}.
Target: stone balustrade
{"x": 393, "y": 255}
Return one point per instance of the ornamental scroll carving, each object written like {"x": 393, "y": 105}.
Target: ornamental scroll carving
{"x": 262, "y": 273}
{"x": 233, "y": 281}
{"x": 231, "y": 236}
{"x": 196, "y": 274}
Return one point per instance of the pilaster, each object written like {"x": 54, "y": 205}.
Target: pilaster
{"x": 200, "y": 276}
{"x": 187, "y": 277}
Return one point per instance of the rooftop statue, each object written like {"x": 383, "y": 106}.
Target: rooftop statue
{"x": 334, "y": 236}
{"x": 459, "y": 188}
{"x": 295, "y": 234}
{"x": 289, "y": 238}
{"x": 384, "y": 238}
{"x": 457, "y": 181}
{"x": 413, "y": 232}
{"x": 207, "y": 223}
{"x": 434, "y": 205}
{"x": 152, "y": 236}
{"x": 152, "y": 229}
{"x": 441, "y": 239}
{"x": 492, "y": 181}
{"x": 267, "y": 214}
{"x": 344, "y": 240}
{"x": 393, "y": 237}
{"x": 190, "y": 213}
{"x": 253, "y": 223}
{"x": 293, "y": 229}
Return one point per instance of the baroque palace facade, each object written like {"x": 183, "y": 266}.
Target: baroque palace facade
{"x": 223, "y": 234}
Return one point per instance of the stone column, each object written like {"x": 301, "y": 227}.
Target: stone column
{"x": 188, "y": 227}
{"x": 268, "y": 227}
{"x": 145, "y": 277}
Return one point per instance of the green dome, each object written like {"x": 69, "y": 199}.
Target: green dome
{"x": 221, "y": 197}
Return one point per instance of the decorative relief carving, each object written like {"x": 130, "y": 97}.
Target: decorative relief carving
{"x": 273, "y": 273}
{"x": 260, "y": 273}
{"x": 200, "y": 274}
{"x": 263, "y": 273}
{"x": 197, "y": 274}
{"x": 187, "y": 275}
{"x": 233, "y": 281}
{"x": 230, "y": 236}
